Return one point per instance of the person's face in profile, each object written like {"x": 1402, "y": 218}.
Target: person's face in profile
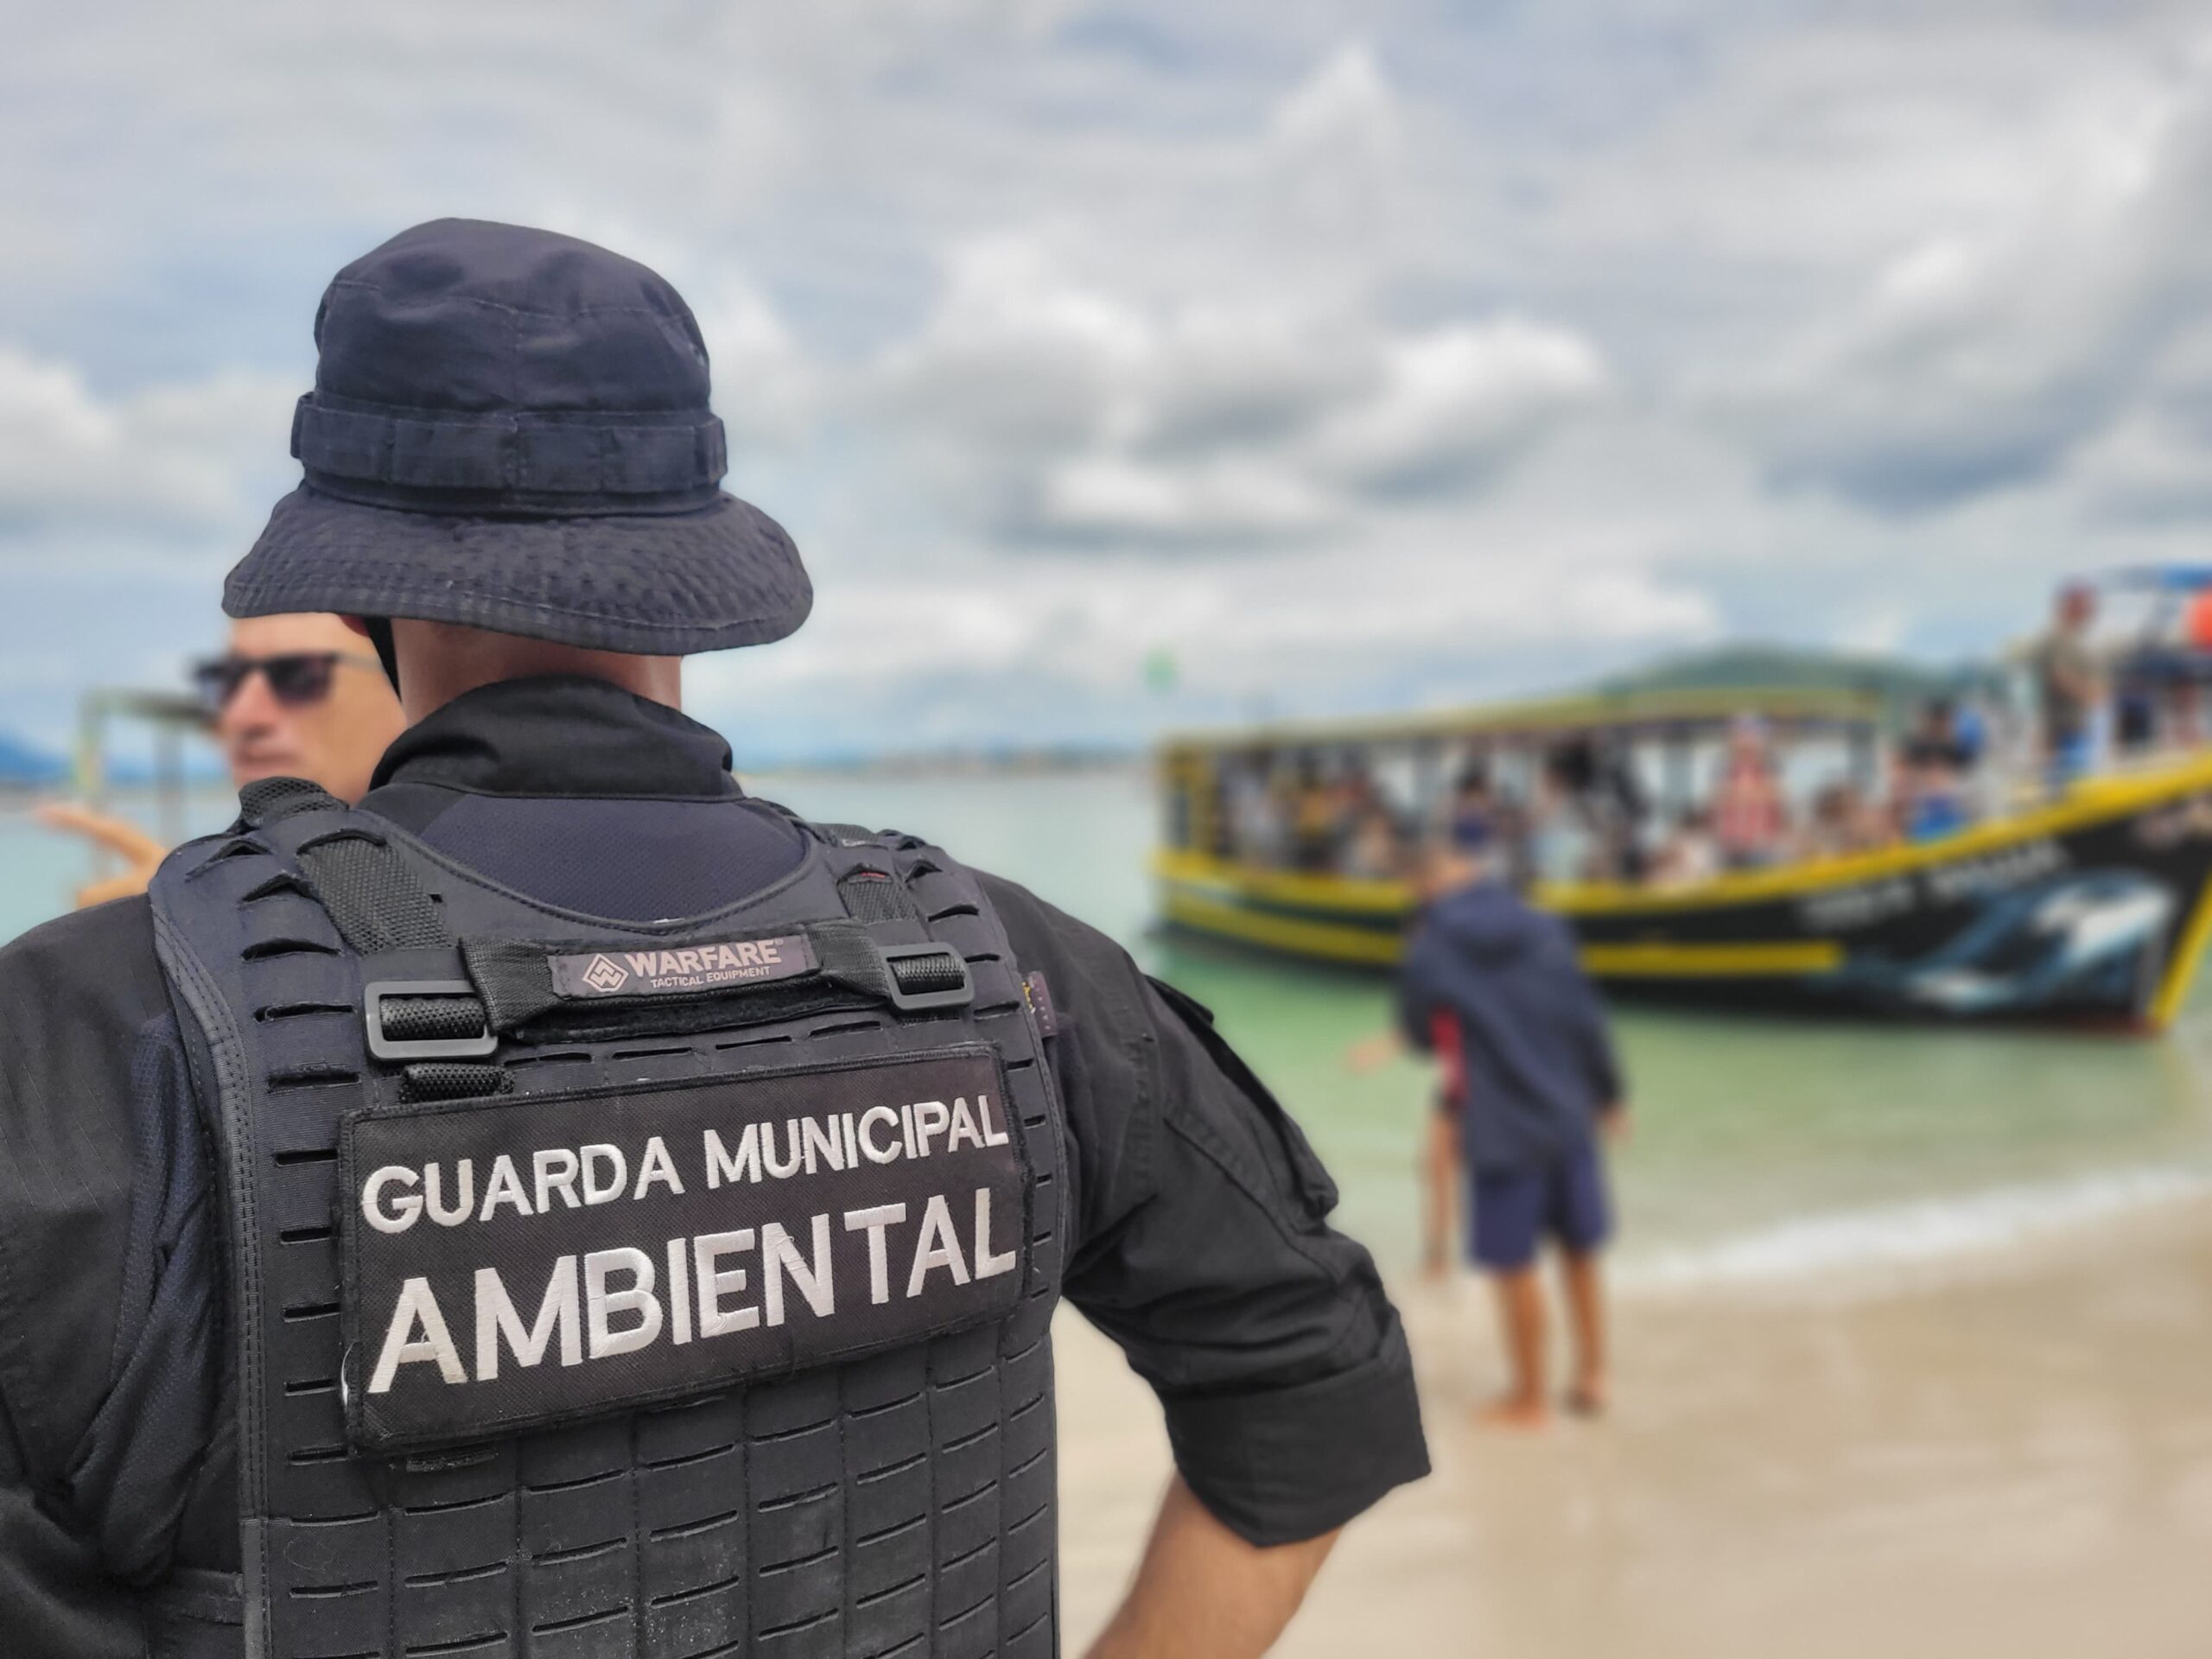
{"x": 301, "y": 696}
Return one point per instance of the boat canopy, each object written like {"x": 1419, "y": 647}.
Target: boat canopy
{"x": 2156, "y": 578}
{"x": 1673, "y": 712}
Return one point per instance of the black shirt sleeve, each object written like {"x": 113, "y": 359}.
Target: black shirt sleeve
{"x": 74, "y": 995}
{"x": 1201, "y": 1249}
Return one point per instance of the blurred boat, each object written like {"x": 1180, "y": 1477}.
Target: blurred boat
{"x": 2090, "y": 906}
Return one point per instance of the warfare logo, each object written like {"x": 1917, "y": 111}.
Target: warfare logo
{"x": 605, "y": 974}
{"x": 687, "y": 970}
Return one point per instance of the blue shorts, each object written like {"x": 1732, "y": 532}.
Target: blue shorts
{"x": 1512, "y": 1208}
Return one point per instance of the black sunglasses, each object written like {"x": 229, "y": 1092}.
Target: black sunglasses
{"x": 296, "y": 678}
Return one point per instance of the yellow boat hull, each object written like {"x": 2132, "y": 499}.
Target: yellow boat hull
{"x": 2088, "y": 908}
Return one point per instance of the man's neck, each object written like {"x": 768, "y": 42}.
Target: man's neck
{"x": 439, "y": 661}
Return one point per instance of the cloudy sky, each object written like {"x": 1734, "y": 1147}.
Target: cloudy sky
{"x": 1351, "y": 356}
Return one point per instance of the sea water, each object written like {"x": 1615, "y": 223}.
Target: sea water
{"x": 1761, "y": 1150}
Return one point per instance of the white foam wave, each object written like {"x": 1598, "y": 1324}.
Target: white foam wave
{"x": 1924, "y": 1232}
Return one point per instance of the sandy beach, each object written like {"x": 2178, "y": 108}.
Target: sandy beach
{"x": 2003, "y": 1454}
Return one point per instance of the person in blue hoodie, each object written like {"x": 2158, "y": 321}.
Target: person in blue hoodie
{"x": 1493, "y": 989}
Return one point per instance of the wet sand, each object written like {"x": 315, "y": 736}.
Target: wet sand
{"x": 2010, "y": 1453}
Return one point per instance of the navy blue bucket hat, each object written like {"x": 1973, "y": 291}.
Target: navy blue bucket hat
{"x": 509, "y": 429}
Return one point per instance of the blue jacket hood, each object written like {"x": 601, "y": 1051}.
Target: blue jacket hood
{"x": 1537, "y": 1064}
{"x": 1488, "y": 922}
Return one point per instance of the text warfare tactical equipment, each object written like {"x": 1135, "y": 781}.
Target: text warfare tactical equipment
{"x": 604, "y": 1289}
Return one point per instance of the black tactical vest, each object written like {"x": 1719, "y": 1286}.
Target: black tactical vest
{"x": 602, "y": 1289}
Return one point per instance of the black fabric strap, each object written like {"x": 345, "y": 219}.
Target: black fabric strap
{"x": 453, "y": 1080}
{"x": 596, "y": 1022}
{"x": 372, "y": 896}
{"x": 849, "y": 957}
{"x": 266, "y": 799}
{"x": 926, "y": 976}
{"x": 512, "y": 977}
{"x": 877, "y": 896}
{"x": 643, "y": 453}
{"x": 432, "y": 1019}
{"x": 376, "y": 905}
{"x": 516, "y": 984}
{"x": 196, "y": 1614}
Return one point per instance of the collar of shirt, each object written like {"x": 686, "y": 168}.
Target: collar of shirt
{"x": 528, "y": 782}
{"x": 559, "y": 735}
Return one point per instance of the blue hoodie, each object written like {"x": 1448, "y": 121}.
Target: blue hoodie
{"x": 1503, "y": 978}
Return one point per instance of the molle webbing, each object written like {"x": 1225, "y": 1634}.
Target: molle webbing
{"x": 900, "y": 1502}
{"x": 370, "y": 895}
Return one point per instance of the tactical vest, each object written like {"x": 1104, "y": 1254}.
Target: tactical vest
{"x": 607, "y": 1289}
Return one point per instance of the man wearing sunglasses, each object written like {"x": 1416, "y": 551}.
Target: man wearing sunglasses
{"x": 296, "y": 695}
{"x": 300, "y": 696}
{"x": 563, "y": 1204}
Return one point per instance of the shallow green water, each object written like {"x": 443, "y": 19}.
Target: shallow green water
{"x": 1761, "y": 1148}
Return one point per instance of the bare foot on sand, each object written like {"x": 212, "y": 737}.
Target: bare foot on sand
{"x": 1589, "y": 1397}
{"x": 1512, "y": 1411}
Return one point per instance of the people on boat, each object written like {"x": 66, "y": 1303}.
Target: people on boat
{"x": 1492, "y": 989}
{"x": 2069, "y": 685}
{"x": 1473, "y": 801}
{"x": 1934, "y": 765}
{"x": 1374, "y": 853}
{"x": 1563, "y": 843}
{"x": 1690, "y": 854}
{"x": 1575, "y": 806}
{"x": 296, "y": 696}
{"x": 1750, "y": 818}
{"x": 1315, "y": 821}
{"x": 1250, "y": 824}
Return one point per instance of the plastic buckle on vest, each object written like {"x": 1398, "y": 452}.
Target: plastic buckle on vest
{"x": 399, "y": 1050}
{"x": 932, "y": 976}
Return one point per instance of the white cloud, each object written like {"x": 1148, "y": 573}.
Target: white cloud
{"x": 1456, "y": 402}
{"x": 1452, "y": 356}
{"x": 170, "y": 460}
{"x": 766, "y": 386}
{"x": 1045, "y": 408}
{"x": 1983, "y": 359}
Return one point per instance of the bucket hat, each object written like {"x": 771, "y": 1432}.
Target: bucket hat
{"x": 509, "y": 428}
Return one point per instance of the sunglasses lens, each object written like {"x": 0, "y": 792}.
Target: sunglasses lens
{"x": 297, "y": 680}
{"x": 216, "y": 682}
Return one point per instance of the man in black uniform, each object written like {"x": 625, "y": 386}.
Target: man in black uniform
{"x": 564, "y": 1207}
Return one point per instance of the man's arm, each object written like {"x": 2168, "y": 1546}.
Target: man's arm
{"x": 1415, "y": 1015}
{"x": 140, "y": 853}
{"x": 53, "y": 1602}
{"x": 1201, "y": 1247}
{"x": 1203, "y": 1592}
{"x": 75, "y": 994}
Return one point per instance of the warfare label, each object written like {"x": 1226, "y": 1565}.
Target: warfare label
{"x": 658, "y": 972}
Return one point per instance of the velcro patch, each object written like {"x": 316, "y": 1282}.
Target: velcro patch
{"x": 688, "y": 968}
{"x": 523, "y": 1261}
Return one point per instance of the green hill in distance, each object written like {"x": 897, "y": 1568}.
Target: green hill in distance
{"x": 1902, "y": 682}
